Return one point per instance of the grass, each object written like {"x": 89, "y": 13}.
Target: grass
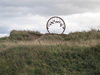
{"x": 24, "y": 35}
{"x": 83, "y": 36}
{"x": 51, "y": 55}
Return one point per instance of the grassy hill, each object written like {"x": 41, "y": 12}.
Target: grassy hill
{"x": 33, "y": 53}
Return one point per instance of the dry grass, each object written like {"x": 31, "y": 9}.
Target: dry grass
{"x": 73, "y": 54}
{"x": 87, "y": 43}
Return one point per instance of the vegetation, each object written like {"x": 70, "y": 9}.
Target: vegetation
{"x": 83, "y": 36}
{"x": 24, "y": 35}
{"x": 44, "y": 54}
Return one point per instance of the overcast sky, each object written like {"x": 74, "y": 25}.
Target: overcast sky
{"x": 78, "y": 15}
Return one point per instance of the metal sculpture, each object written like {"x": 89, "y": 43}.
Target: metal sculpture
{"x": 57, "y": 20}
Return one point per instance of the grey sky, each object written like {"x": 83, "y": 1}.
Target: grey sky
{"x": 48, "y": 7}
{"x": 33, "y": 14}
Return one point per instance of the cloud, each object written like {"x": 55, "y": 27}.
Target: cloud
{"x": 3, "y": 29}
{"x": 49, "y": 7}
{"x": 4, "y": 35}
{"x": 81, "y": 22}
{"x": 27, "y": 22}
{"x": 75, "y": 22}
{"x": 33, "y": 14}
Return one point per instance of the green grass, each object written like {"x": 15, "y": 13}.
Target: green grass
{"x": 50, "y": 60}
{"x": 83, "y": 36}
{"x": 24, "y": 35}
{"x": 33, "y": 35}
{"x": 77, "y": 54}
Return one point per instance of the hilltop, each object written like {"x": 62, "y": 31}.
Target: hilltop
{"x": 34, "y": 53}
{"x": 17, "y": 36}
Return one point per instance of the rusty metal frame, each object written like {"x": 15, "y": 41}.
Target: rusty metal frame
{"x": 60, "y": 19}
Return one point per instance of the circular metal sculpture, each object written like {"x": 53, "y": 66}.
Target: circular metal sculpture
{"x": 58, "y": 21}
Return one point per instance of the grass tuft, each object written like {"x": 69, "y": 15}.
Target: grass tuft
{"x": 73, "y": 54}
